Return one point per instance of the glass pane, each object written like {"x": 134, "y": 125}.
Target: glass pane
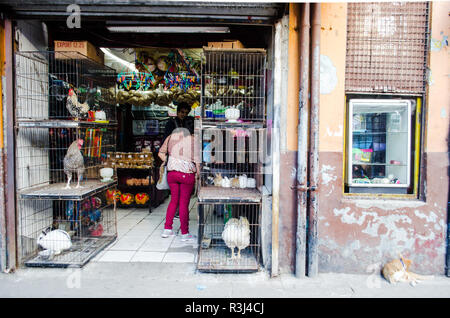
{"x": 380, "y": 144}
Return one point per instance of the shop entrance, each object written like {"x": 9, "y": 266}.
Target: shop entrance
{"x": 153, "y": 74}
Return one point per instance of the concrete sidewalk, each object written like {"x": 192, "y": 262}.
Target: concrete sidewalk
{"x": 136, "y": 280}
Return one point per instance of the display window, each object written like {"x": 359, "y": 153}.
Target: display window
{"x": 380, "y": 143}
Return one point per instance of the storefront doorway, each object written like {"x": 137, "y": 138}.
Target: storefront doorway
{"x": 140, "y": 126}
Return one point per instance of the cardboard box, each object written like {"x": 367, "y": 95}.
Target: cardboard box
{"x": 82, "y": 47}
{"x": 227, "y": 44}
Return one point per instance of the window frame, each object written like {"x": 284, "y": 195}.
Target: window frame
{"x": 414, "y": 152}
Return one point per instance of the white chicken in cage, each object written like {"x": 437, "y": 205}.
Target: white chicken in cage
{"x": 237, "y": 234}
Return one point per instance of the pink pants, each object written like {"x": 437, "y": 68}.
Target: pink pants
{"x": 181, "y": 186}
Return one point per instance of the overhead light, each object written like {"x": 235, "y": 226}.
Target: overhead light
{"x": 169, "y": 29}
{"x": 118, "y": 59}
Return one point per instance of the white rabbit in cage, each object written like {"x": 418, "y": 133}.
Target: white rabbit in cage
{"x": 54, "y": 241}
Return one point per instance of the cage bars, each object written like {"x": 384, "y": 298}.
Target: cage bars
{"x": 47, "y": 211}
{"x": 233, "y": 247}
{"x": 233, "y": 79}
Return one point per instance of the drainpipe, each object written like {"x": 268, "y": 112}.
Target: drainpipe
{"x": 313, "y": 202}
{"x": 2, "y": 170}
{"x": 9, "y": 158}
{"x": 276, "y": 152}
{"x": 302, "y": 158}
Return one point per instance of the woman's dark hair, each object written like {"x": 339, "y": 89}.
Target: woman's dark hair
{"x": 184, "y": 105}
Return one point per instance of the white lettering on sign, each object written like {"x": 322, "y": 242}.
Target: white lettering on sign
{"x": 74, "y": 20}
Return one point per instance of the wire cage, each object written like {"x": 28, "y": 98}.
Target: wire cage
{"x": 65, "y": 119}
{"x": 233, "y": 79}
{"x": 63, "y": 233}
{"x": 229, "y": 237}
{"x": 232, "y": 162}
{"x": 41, "y": 152}
{"x": 51, "y": 192}
{"x": 44, "y": 80}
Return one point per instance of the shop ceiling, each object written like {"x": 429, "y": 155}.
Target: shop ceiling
{"x": 251, "y": 23}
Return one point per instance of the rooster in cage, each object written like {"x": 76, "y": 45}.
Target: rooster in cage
{"x": 237, "y": 234}
{"x": 74, "y": 162}
{"x": 75, "y": 108}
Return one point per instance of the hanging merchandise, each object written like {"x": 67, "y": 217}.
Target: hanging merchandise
{"x": 180, "y": 73}
{"x": 135, "y": 81}
{"x": 173, "y": 67}
{"x": 93, "y": 148}
{"x": 144, "y": 63}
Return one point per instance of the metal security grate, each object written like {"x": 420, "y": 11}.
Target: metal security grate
{"x": 387, "y": 46}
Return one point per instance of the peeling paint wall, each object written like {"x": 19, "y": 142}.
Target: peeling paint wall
{"x": 355, "y": 234}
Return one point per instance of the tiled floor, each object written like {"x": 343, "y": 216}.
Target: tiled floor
{"x": 139, "y": 238}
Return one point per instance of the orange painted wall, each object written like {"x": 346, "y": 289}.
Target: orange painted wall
{"x": 332, "y": 103}
{"x": 293, "y": 75}
{"x": 332, "y": 45}
{"x": 439, "y": 82}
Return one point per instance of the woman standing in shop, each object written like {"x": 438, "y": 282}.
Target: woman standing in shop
{"x": 182, "y": 120}
{"x": 182, "y": 171}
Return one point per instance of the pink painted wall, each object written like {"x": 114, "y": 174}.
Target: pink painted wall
{"x": 357, "y": 235}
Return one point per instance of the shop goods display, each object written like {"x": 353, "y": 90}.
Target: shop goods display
{"x": 137, "y": 182}
{"x": 109, "y": 95}
{"x": 126, "y": 198}
{"x": 380, "y": 145}
{"x": 241, "y": 182}
{"x": 232, "y": 136}
{"x": 141, "y": 198}
{"x": 137, "y": 187}
{"x": 64, "y": 129}
{"x": 158, "y": 96}
{"x": 112, "y": 195}
{"x": 106, "y": 174}
{"x": 132, "y": 160}
{"x": 163, "y": 76}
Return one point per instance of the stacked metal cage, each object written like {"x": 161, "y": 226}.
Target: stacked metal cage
{"x": 233, "y": 78}
{"x": 232, "y": 137}
{"x": 63, "y": 224}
